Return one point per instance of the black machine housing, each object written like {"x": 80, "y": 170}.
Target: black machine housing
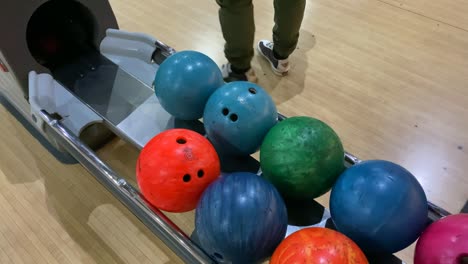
{"x": 42, "y": 35}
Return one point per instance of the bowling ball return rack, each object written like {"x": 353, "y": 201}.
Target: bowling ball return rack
{"x": 83, "y": 96}
{"x": 186, "y": 247}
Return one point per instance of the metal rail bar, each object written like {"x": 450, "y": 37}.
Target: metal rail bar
{"x": 153, "y": 218}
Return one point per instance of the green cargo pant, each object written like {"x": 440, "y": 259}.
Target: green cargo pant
{"x": 237, "y": 24}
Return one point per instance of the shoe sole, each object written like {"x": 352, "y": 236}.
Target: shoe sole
{"x": 275, "y": 71}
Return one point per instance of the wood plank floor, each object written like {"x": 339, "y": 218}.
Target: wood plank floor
{"x": 391, "y": 77}
{"x": 451, "y": 14}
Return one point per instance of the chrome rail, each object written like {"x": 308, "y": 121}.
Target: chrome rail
{"x": 153, "y": 218}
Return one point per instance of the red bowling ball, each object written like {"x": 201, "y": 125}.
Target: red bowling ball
{"x": 444, "y": 242}
{"x": 175, "y": 167}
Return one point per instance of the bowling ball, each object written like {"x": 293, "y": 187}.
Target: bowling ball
{"x": 318, "y": 245}
{"x": 444, "y": 242}
{"x": 241, "y": 218}
{"x": 302, "y": 157}
{"x": 380, "y": 205}
{"x": 185, "y": 81}
{"x": 237, "y": 116}
{"x": 175, "y": 167}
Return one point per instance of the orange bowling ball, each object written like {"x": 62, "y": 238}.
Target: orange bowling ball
{"x": 174, "y": 168}
{"x": 318, "y": 245}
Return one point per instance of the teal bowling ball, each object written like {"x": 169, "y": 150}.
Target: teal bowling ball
{"x": 184, "y": 82}
{"x": 380, "y": 205}
{"x": 238, "y": 116}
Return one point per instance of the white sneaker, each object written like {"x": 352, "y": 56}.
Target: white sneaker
{"x": 279, "y": 67}
{"x": 230, "y": 76}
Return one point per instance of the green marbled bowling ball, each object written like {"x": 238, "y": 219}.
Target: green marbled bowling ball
{"x": 302, "y": 156}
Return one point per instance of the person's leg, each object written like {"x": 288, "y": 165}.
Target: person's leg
{"x": 237, "y": 23}
{"x": 288, "y": 20}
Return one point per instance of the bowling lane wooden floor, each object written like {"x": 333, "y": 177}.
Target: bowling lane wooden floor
{"x": 390, "y": 76}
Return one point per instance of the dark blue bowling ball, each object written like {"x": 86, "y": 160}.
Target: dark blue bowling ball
{"x": 238, "y": 116}
{"x": 240, "y": 218}
{"x": 380, "y": 205}
{"x": 184, "y": 82}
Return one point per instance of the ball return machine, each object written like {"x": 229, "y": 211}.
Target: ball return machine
{"x": 67, "y": 68}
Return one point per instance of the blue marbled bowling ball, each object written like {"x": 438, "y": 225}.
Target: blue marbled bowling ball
{"x": 241, "y": 218}
{"x": 380, "y": 205}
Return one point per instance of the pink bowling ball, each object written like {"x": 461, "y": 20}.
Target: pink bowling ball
{"x": 444, "y": 242}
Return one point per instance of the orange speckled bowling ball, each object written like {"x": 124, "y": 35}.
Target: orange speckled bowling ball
{"x": 175, "y": 167}
{"x": 318, "y": 245}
